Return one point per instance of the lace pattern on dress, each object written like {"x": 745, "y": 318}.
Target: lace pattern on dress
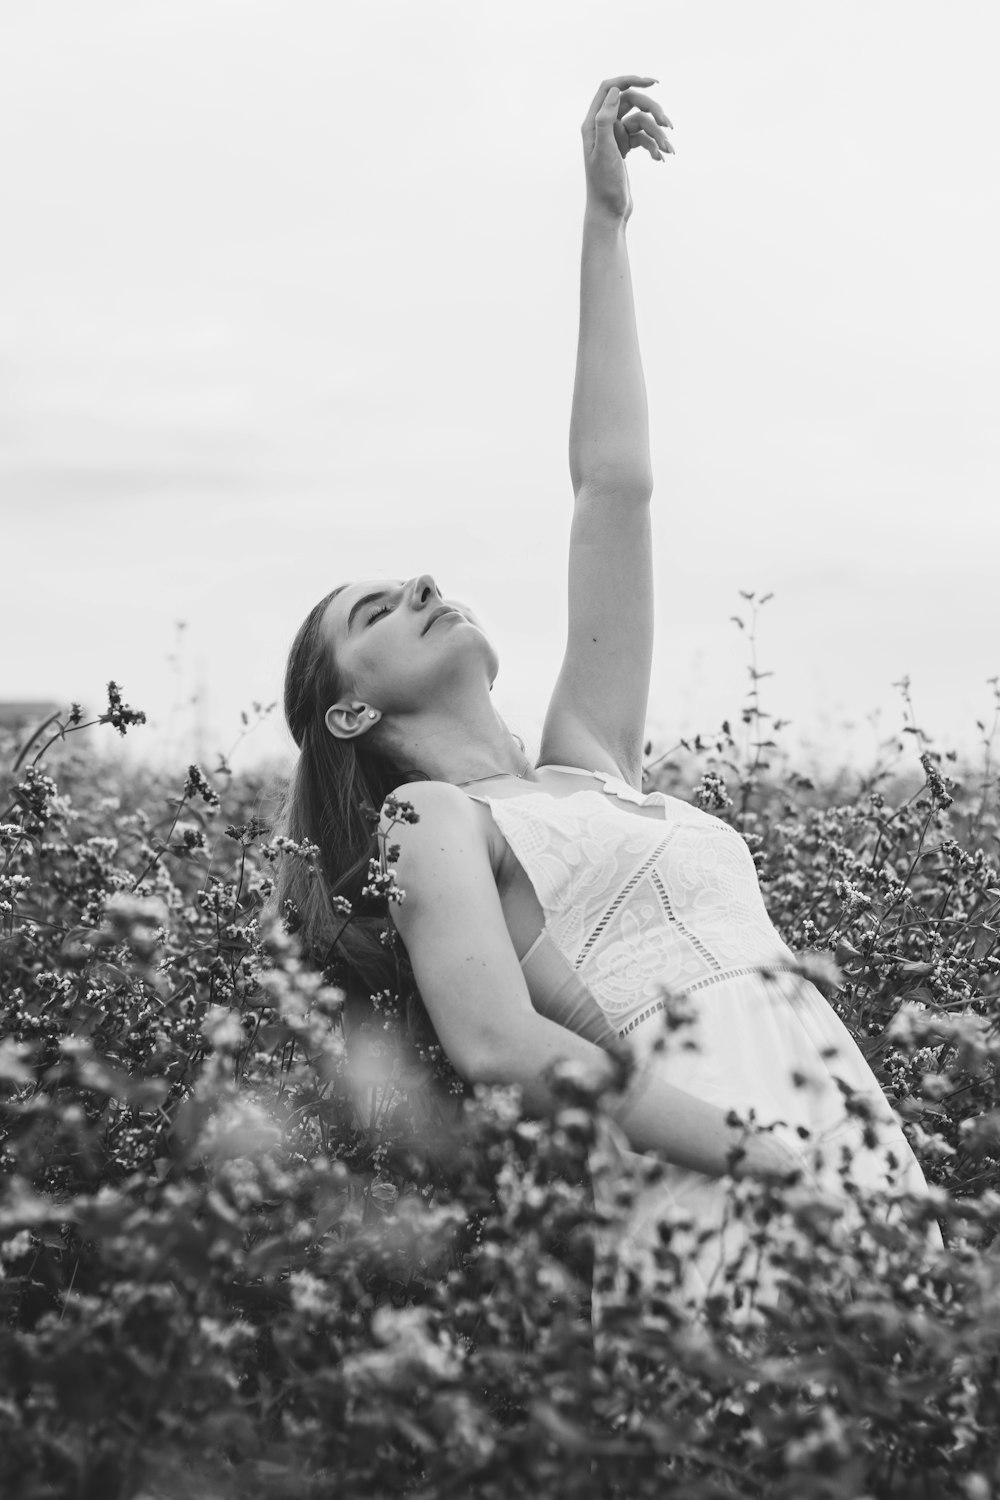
{"x": 635, "y": 908}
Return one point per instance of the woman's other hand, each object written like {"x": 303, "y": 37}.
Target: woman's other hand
{"x": 619, "y": 118}
{"x": 766, "y": 1154}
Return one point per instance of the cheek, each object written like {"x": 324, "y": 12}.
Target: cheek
{"x": 382, "y": 661}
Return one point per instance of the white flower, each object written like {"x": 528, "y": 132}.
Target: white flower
{"x": 307, "y": 1293}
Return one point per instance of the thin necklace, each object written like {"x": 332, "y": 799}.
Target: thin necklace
{"x": 518, "y": 775}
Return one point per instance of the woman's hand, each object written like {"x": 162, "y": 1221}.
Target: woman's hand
{"x": 766, "y": 1154}
{"x": 618, "y": 119}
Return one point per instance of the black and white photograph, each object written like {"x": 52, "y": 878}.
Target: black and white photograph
{"x": 499, "y": 750}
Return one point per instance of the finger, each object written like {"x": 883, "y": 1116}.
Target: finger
{"x": 640, "y": 138}
{"x": 632, "y": 99}
{"x": 606, "y": 118}
{"x": 626, "y": 80}
{"x": 640, "y": 119}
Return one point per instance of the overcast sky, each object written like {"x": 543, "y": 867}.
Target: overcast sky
{"x": 291, "y": 297}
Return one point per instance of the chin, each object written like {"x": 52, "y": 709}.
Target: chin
{"x": 478, "y": 649}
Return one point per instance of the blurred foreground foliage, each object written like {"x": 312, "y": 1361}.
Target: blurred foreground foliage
{"x": 234, "y": 1266}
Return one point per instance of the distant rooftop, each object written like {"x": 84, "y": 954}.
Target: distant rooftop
{"x": 19, "y": 714}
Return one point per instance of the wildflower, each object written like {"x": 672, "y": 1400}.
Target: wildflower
{"x": 36, "y": 796}
{"x": 853, "y": 897}
{"x": 408, "y": 1353}
{"x": 14, "y": 1062}
{"x": 936, "y": 782}
{"x": 189, "y": 838}
{"x": 710, "y": 793}
{"x": 399, "y": 811}
{"x": 102, "y": 848}
{"x": 382, "y": 883}
{"x": 237, "y": 1129}
{"x": 222, "y": 1029}
{"x": 136, "y": 920}
{"x": 119, "y": 713}
{"x": 283, "y": 845}
{"x": 197, "y": 786}
{"x": 224, "y": 1336}
{"x": 245, "y": 833}
{"x": 307, "y": 1294}
{"x": 14, "y": 1248}
{"x": 11, "y": 888}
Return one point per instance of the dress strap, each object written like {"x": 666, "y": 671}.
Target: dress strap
{"x": 614, "y": 786}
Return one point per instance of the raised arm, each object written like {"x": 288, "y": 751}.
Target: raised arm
{"x": 597, "y": 713}
{"x": 451, "y": 922}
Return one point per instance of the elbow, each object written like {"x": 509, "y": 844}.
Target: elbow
{"x": 602, "y": 486}
{"x": 487, "y": 1065}
{"x": 492, "y": 1056}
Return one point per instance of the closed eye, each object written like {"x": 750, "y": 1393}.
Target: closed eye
{"x": 383, "y": 609}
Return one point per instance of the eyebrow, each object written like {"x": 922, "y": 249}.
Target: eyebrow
{"x": 367, "y": 599}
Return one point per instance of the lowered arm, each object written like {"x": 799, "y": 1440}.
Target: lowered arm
{"x": 452, "y": 924}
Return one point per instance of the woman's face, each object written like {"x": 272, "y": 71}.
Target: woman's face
{"x": 401, "y": 645}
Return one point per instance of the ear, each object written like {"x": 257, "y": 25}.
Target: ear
{"x": 347, "y": 721}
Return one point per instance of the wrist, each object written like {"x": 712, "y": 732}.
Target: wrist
{"x": 765, "y": 1155}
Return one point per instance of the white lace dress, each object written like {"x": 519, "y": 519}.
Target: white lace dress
{"x": 642, "y": 894}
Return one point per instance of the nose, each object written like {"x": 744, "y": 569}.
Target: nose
{"x": 424, "y": 591}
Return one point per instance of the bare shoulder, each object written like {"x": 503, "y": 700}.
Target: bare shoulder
{"x": 431, "y": 802}
{"x": 437, "y": 828}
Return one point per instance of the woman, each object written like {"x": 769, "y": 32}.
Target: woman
{"x": 546, "y": 907}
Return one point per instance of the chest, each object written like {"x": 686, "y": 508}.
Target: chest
{"x": 579, "y": 852}
{"x": 580, "y": 868}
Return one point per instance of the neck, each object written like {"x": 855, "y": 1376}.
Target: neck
{"x": 458, "y": 746}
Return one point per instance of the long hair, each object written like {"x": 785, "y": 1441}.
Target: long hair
{"x": 332, "y": 800}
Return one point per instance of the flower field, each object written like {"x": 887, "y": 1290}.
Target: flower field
{"x": 239, "y": 1260}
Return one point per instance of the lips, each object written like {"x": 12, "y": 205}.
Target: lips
{"x": 445, "y": 609}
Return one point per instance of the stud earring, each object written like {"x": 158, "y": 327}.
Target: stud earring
{"x": 372, "y": 714}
